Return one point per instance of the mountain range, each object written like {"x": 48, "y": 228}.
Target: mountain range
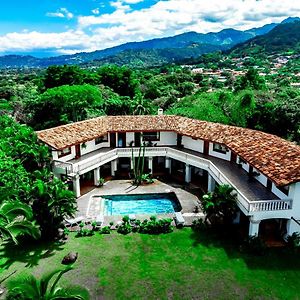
{"x": 153, "y": 52}
{"x": 282, "y": 38}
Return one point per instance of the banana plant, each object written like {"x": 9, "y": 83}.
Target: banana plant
{"x": 15, "y": 220}
{"x": 46, "y": 288}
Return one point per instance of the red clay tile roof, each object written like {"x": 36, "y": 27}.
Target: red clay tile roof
{"x": 276, "y": 158}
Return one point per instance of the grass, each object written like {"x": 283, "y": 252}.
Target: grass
{"x": 180, "y": 265}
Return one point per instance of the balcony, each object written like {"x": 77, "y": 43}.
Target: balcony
{"x": 253, "y": 197}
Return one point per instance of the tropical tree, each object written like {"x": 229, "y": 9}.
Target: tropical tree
{"x": 20, "y": 143}
{"x": 121, "y": 79}
{"x": 52, "y": 203}
{"x": 46, "y": 288}
{"x": 140, "y": 106}
{"x": 251, "y": 80}
{"x": 220, "y": 206}
{"x": 16, "y": 219}
{"x": 63, "y": 104}
{"x": 62, "y": 75}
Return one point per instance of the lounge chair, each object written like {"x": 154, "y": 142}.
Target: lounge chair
{"x": 179, "y": 220}
{"x": 74, "y": 221}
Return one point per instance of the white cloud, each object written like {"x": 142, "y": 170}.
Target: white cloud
{"x": 96, "y": 11}
{"x": 132, "y": 1}
{"x": 120, "y": 6}
{"x": 55, "y": 14}
{"x": 163, "y": 18}
{"x": 61, "y": 13}
{"x": 36, "y": 40}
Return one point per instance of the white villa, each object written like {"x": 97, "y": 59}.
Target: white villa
{"x": 263, "y": 168}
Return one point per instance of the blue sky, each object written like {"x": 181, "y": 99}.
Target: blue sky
{"x": 56, "y": 27}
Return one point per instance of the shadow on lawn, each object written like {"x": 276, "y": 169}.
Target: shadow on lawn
{"x": 29, "y": 253}
{"x": 277, "y": 259}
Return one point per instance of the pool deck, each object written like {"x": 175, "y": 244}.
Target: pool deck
{"x": 90, "y": 207}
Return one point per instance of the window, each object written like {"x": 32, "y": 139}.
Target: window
{"x": 220, "y": 148}
{"x": 101, "y": 139}
{"x": 64, "y": 152}
{"x": 151, "y": 136}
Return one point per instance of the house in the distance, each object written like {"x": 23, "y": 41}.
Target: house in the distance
{"x": 264, "y": 169}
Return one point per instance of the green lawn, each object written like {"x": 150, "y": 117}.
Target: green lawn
{"x": 180, "y": 265}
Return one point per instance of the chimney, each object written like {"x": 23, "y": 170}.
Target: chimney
{"x": 160, "y": 112}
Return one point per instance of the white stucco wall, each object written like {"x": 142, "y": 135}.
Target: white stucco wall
{"x": 91, "y": 146}
{"x": 225, "y": 156}
{"x": 167, "y": 138}
{"x": 294, "y": 193}
{"x": 195, "y": 145}
{"x": 64, "y": 158}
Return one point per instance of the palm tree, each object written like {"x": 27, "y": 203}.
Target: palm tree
{"x": 30, "y": 288}
{"x": 140, "y": 106}
{"x": 15, "y": 220}
{"x": 220, "y": 205}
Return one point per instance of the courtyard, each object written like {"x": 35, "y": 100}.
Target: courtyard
{"x": 89, "y": 205}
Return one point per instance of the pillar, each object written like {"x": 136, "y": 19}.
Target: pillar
{"x": 150, "y": 164}
{"x": 96, "y": 176}
{"x": 168, "y": 164}
{"x": 237, "y": 218}
{"x": 211, "y": 183}
{"x": 131, "y": 163}
{"x": 76, "y": 186}
{"x": 188, "y": 173}
{"x": 291, "y": 227}
{"x": 253, "y": 227}
{"x": 114, "y": 167}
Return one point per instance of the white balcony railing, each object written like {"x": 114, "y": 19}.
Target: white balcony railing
{"x": 270, "y": 205}
{"x": 92, "y": 162}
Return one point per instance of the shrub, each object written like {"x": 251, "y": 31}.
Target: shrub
{"x": 156, "y": 226}
{"x": 152, "y": 226}
{"x": 84, "y": 231}
{"x": 255, "y": 245}
{"x": 125, "y": 228}
{"x": 105, "y": 230}
{"x": 94, "y": 226}
{"x": 293, "y": 241}
{"x": 146, "y": 178}
{"x": 199, "y": 225}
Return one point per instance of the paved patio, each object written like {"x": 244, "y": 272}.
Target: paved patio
{"x": 90, "y": 207}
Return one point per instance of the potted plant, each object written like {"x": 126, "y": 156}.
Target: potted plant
{"x": 101, "y": 181}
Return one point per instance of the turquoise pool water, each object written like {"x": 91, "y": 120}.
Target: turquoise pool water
{"x": 141, "y": 204}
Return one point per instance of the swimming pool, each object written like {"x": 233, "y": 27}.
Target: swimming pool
{"x": 163, "y": 203}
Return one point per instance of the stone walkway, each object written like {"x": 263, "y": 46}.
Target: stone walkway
{"x": 89, "y": 206}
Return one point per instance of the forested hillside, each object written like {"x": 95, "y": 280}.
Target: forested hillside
{"x": 61, "y": 95}
{"x": 283, "y": 38}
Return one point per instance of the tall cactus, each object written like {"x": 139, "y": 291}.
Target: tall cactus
{"x": 138, "y": 167}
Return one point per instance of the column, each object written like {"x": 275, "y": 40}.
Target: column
{"x": 131, "y": 163}
{"x": 150, "y": 164}
{"x": 96, "y": 176}
{"x": 237, "y": 218}
{"x": 253, "y": 227}
{"x": 188, "y": 173}
{"x": 76, "y": 186}
{"x": 168, "y": 164}
{"x": 211, "y": 183}
{"x": 291, "y": 227}
{"x": 114, "y": 167}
